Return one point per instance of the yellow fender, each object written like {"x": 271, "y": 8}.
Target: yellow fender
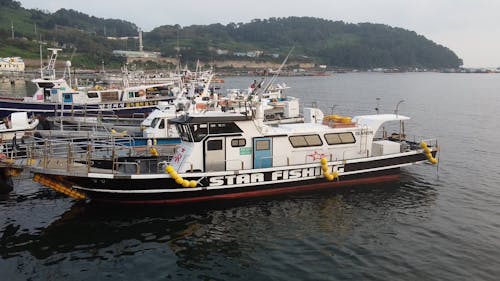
{"x": 178, "y": 179}
{"x": 324, "y": 166}
{"x": 154, "y": 152}
{"x": 428, "y": 153}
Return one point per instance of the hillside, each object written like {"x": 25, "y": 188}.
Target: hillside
{"x": 336, "y": 43}
{"x": 319, "y": 41}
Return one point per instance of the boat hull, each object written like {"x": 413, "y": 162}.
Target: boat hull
{"x": 120, "y": 109}
{"x": 182, "y": 197}
{"x": 161, "y": 189}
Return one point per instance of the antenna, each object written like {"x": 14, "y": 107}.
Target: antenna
{"x": 397, "y": 107}
{"x": 41, "y": 62}
{"x": 278, "y": 71}
{"x": 333, "y": 107}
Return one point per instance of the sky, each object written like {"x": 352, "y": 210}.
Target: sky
{"x": 470, "y": 28}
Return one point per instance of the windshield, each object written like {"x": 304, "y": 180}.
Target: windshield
{"x": 154, "y": 122}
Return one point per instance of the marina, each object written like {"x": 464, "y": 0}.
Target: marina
{"x": 374, "y": 226}
{"x": 216, "y": 150}
{"x": 258, "y": 141}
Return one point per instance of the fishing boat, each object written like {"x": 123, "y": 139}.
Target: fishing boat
{"x": 56, "y": 97}
{"x": 224, "y": 156}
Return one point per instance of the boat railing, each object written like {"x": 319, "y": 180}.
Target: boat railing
{"x": 116, "y": 166}
{"x": 282, "y": 160}
{"x": 430, "y": 142}
{"x": 238, "y": 162}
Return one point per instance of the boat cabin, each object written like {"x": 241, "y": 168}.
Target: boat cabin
{"x": 217, "y": 141}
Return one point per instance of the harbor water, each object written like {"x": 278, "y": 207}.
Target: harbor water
{"x": 438, "y": 222}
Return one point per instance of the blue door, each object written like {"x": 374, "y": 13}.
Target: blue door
{"x": 262, "y": 153}
{"x": 68, "y": 98}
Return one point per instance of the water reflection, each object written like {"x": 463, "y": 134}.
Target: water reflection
{"x": 194, "y": 233}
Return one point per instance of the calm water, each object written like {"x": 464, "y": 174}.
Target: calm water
{"x": 435, "y": 224}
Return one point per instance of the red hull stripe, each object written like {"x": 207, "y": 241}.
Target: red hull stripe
{"x": 262, "y": 193}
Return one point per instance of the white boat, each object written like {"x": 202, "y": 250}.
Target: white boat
{"x": 225, "y": 156}
{"x": 15, "y": 126}
{"x": 57, "y": 97}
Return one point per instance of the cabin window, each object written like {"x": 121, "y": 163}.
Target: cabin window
{"x": 238, "y": 142}
{"x": 183, "y": 131}
{"x": 262, "y": 145}
{"x": 340, "y": 138}
{"x": 109, "y": 96}
{"x": 347, "y": 137}
{"x": 162, "y": 124}
{"x": 305, "y": 141}
{"x": 154, "y": 122}
{"x": 224, "y": 128}
{"x": 92, "y": 95}
{"x": 199, "y": 131}
{"x": 132, "y": 95}
{"x": 214, "y": 145}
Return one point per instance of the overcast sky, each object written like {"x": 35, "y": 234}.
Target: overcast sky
{"x": 471, "y": 28}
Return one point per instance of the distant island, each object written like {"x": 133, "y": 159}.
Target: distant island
{"x": 90, "y": 42}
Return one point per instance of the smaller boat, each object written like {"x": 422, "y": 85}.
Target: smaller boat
{"x": 15, "y": 126}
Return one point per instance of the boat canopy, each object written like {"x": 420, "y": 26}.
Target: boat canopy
{"x": 375, "y": 121}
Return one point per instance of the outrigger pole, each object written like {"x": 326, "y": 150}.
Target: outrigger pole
{"x": 275, "y": 76}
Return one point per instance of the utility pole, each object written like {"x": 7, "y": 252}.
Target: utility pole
{"x": 35, "y": 31}
{"x": 141, "y": 47}
{"x": 12, "y": 28}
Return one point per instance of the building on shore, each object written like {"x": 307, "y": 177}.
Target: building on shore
{"x": 11, "y": 64}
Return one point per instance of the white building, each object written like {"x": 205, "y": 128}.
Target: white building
{"x": 13, "y": 64}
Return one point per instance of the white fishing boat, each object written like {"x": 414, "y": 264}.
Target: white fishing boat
{"x": 57, "y": 97}
{"x": 224, "y": 156}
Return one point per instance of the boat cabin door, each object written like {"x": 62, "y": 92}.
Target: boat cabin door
{"x": 262, "y": 153}
{"x": 215, "y": 154}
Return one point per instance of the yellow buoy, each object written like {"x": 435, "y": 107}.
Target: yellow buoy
{"x": 345, "y": 119}
{"x": 193, "y": 183}
{"x": 169, "y": 169}
{"x": 423, "y": 144}
{"x": 324, "y": 161}
{"x": 153, "y": 151}
{"x": 185, "y": 183}
{"x": 179, "y": 180}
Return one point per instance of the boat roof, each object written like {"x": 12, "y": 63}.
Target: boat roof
{"x": 210, "y": 116}
{"x": 375, "y": 121}
{"x": 298, "y": 128}
{"x": 147, "y": 86}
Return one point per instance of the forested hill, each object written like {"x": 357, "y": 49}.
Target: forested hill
{"x": 363, "y": 45}
{"x": 319, "y": 41}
